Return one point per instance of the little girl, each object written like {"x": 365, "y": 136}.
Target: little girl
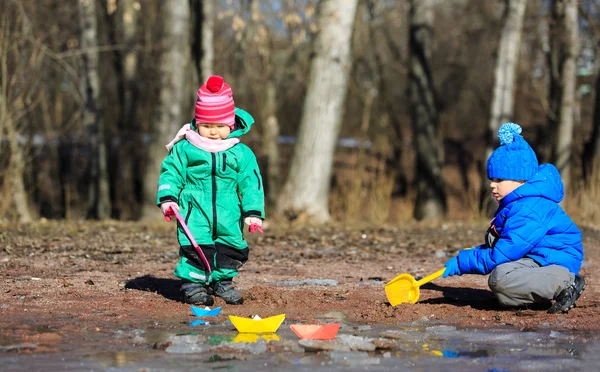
{"x": 214, "y": 182}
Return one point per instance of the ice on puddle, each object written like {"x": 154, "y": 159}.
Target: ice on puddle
{"x": 357, "y": 343}
{"x": 187, "y": 348}
{"x": 440, "y": 329}
{"x": 556, "y": 334}
{"x": 353, "y": 358}
{"x": 186, "y": 339}
{"x": 255, "y": 348}
{"x": 416, "y": 337}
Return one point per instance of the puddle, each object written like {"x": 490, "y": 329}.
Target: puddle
{"x": 414, "y": 346}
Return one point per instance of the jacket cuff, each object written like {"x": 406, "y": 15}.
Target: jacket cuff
{"x": 167, "y": 198}
{"x": 253, "y": 213}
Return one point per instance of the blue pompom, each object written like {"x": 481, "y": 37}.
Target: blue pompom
{"x": 508, "y": 132}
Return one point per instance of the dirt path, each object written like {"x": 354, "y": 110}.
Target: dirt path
{"x": 72, "y": 275}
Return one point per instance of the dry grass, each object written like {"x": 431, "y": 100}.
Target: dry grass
{"x": 582, "y": 202}
{"x": 364, "y": 190}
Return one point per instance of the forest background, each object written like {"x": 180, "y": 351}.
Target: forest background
{"x": 367, "y": 111}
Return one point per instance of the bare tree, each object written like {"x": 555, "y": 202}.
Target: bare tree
{"x": 208, "y": 50}
{"x": 504, "y": 84}
{"x": 591, "y": 153}
{"x": 431, "y": 193}
{"x": 307, "y": 187}
{"x": 14, "y": 63}
{"x": 122, "y": 31}
{"x": 564, "y": 43}
{"x": 259, "y": 38}
{"x": 174, "y": 60}
{"x": 93, "y": 122}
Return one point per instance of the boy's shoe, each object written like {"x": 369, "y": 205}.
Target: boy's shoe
{"x": 566, "y": 299}
{"x": 196, "y": 294}
{"x": 226, "y": 291}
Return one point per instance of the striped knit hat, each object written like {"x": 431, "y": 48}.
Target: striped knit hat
{"x": 215, "y": 103}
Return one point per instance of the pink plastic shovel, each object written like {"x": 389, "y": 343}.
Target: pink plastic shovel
{"x": 172, "y": 211}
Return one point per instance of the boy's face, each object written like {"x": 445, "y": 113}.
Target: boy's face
{"x": 501, "y": 188}
{"x": 214, "y": 131}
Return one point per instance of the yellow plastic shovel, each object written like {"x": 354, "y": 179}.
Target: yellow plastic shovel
{"x": 404, "y": 288}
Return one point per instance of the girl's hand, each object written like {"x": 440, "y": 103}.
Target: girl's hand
{"x": 255, "y": 223}
{"x": 166, "y": 207}
{"x": 253, "y": 220}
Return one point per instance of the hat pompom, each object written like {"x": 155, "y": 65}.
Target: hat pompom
{"x": 214, "y": 83}
{"x": 508, "y": 132}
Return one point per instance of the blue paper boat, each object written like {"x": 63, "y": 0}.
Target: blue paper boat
{"x": 205, "y": 312}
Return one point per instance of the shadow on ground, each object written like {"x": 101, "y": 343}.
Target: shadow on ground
{"x": 480, "y": 299}
{"x": 168, "y": 288}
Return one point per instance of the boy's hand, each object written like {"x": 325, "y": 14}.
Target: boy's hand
{"x": 166, "y": 208}
{"x": 254, "y": 224}
{"x": 451, "y": 268}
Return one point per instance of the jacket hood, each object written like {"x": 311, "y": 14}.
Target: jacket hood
{"x": 243, "y": 123}
{"x": 545, "y": 183}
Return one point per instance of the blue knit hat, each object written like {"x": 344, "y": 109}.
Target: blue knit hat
{"x": 514, "y": 159}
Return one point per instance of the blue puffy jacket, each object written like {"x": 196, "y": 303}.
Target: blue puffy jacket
{"x": 529, "y": 223}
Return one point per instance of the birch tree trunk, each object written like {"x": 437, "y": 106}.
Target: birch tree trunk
{"x": 266, "y": 93}
{"x": 307, "y": 187}
{"x": 504, "y": 87}
{"x": 431, "y": 190}
{"x": 10, "y": 60}
{"x": 93, "y": 123}
{"x": 208, "y": 48}
{"x": 563, "y": 67}
{"x": 173, "y": 64}
{"x": 16, "y": 169}
{"x": 126, "y": 157}
{"x": 591, "y": 153}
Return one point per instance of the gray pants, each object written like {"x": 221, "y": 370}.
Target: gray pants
{"x": 524, "y": 282}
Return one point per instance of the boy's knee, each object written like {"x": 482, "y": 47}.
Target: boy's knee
{"x": 497, "y": 279}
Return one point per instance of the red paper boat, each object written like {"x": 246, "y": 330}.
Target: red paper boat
{"x": 316, "y": 331}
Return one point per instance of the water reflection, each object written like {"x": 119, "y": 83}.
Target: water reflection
{"x": 254, "y": 337}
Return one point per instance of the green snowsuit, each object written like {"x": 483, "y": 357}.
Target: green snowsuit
{"x": 208, "y": 187}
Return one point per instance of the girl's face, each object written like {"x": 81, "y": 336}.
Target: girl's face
{"x": 501, "y": 188}
{"x": 214, "y": 131}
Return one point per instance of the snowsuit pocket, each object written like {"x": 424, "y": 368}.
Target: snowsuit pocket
{"x": 189, "y": 252}
{"x": 229, "y": 257}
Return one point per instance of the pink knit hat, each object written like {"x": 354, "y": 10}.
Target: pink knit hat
{"x": 215, "y": 102}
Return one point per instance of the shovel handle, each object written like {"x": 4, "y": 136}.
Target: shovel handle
{"x": 431, "y": 277}
{"x": 173, "y": 211}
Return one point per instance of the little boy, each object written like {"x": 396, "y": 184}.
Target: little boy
{"x": 532, "y": 249}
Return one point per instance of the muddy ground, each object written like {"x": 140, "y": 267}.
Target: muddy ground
{"x": 100, "y": 276}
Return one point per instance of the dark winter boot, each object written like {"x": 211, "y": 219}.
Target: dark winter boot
{"x": 196, "y": 294}
{"x": 566, "y": 299}
{"x": 226, "y": 291}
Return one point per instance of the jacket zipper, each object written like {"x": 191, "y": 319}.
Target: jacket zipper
{"x": 187, "y": 216}
{"x": 224, "y": 162}
{"x": 214, "y": 193}
{"x": 257, "y": 178}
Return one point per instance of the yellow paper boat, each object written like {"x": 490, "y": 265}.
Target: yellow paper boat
{"x": 316, "y": 331}
{"x": 253, "y": 337}
{"x": 257, "y": 325}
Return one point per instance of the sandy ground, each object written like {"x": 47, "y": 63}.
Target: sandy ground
{"x": 72, "y": 275}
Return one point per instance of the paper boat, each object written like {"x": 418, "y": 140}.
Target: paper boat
{"x": 253, "y": 337}
{"x": 256, "y": 324}
{"x": 316, "y": 331}
{"x": 206, "y": 311}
